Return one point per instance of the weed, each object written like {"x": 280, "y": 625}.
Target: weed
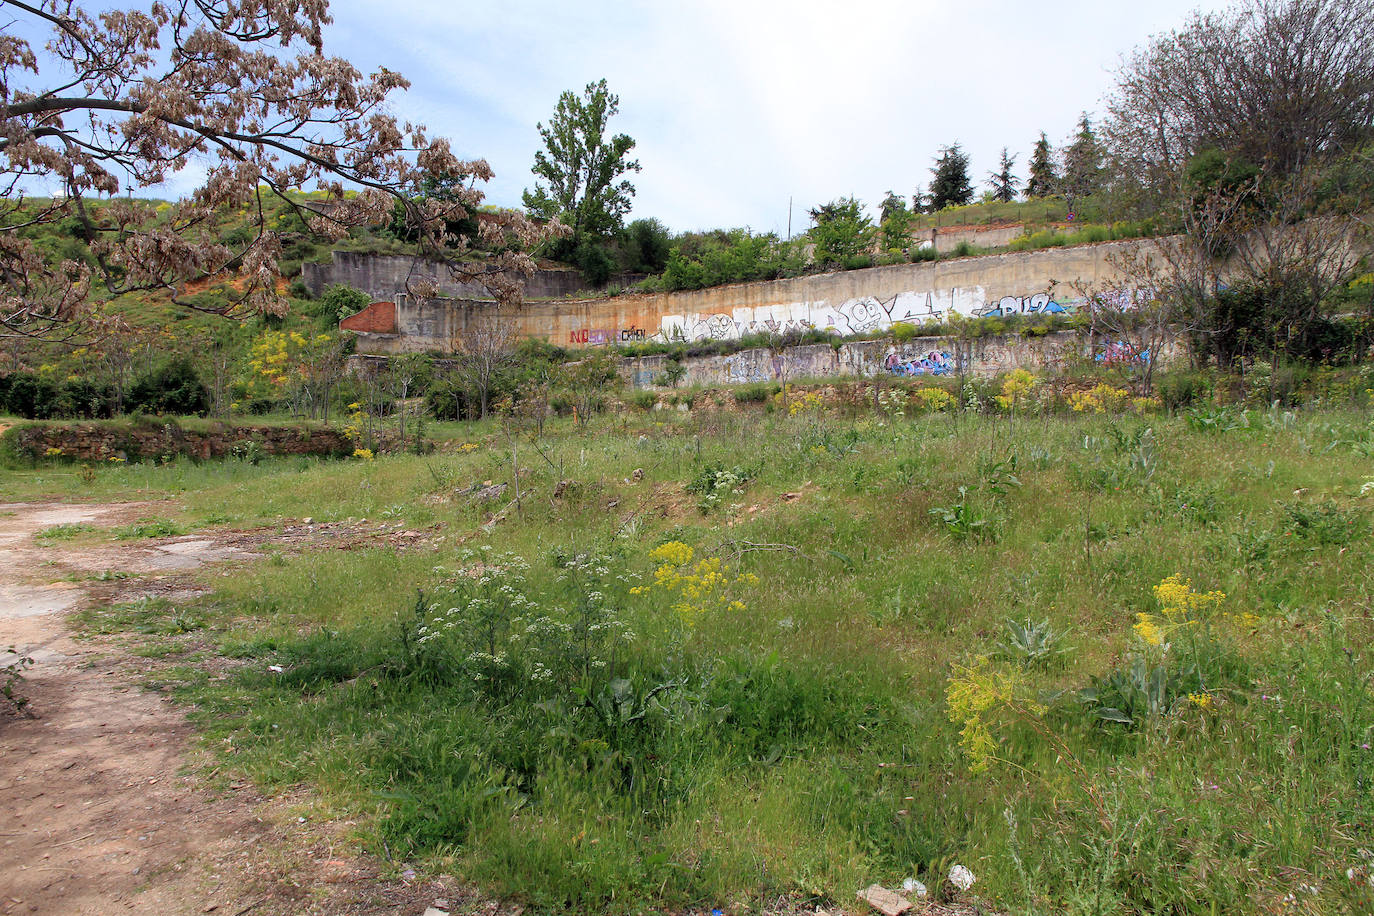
{"x": 1032, "y": 643}
{"x": 964, "y": 520}
{"x": 715, "y": 483}
{"x": 12, "y": 676}
{"x": 63, "y": 532}
{"x": 149, "y": 528}
{"x": 1325, "y": 523}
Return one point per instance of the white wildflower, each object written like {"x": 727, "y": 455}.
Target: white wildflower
{"x": 961, "y": 877}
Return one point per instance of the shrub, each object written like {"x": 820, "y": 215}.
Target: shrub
{"x": 172, "y": 388}
{"x": 1183, "y": 389}
{"x": 339, "y": 302}
{"x": 715, "y": 483}
{"x": 934, "y": 399}
{"x": 755, "y": 392}
{"x": 644, "y": 400}
{"x": 29, "y": 396}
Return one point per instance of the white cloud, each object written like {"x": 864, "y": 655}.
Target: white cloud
{"x": 737, "y": 105}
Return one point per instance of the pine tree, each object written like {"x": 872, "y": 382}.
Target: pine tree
{"x": 1083, "y": 162}
{"x": 1042, "y": 180}
{"x": 1002, "y": 182}
{"x": 951, "y": 185}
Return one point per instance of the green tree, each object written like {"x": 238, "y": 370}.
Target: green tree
{"x": 842, "y": 231}
{"x": 1002, "y": 182}
{"x": 582, "y": 169}
{"x": 340, "y": 301}
{"x": 1083, "y": 169}
{"x": 104, "y": 104}
{"x": 646, "y": 244}
{"x": 896, "y": 222}
{"x": 1042, "y": 179}
{"x": 951, "y": 185}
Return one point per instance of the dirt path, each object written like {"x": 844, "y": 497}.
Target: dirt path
{"x": 96, "y": 813}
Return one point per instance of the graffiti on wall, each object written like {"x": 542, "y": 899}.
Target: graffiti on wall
{"x": 861, "y": 315}
{"x": 596, "y": 337}
{"x": 935, "y": 362}
{"x": 1039, "y": 304}
{"x": 1122, "y": 353}
{"x": 865, "y": 314}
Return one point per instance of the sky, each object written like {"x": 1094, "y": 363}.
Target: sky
{"x": 739, "y": 106}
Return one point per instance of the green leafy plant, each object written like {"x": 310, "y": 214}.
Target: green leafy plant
{"x": 964, "y": 520}
{"x": 715, "y": 483}
{"x": 1325, "y": 523}
{"x": 64, "y": 532}
{"x": 1031, "y": 643}
{"x": 1139, "y": 691}
{"x": 12, "y": 676}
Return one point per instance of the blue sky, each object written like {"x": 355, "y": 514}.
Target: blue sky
{"x": 738, "y": 106}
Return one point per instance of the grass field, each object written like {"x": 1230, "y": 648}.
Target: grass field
{"x": 714, "y": 658}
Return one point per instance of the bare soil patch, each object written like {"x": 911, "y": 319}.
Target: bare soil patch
{"x": 98, "y": 813}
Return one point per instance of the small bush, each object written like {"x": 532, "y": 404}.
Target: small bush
{"x": 172, "y": 388}
{"x": 1178, "y": 390}
{"x": 755, "y": 392}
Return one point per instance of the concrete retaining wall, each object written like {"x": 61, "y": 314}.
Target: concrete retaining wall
{"x": 844, "y": 303}
{"x": 924, "y": 356}
{"x": 383, "y": 276}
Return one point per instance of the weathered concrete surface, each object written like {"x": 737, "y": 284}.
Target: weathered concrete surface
{"x": 932, "y": 356}
{"x": 383, "y": 276}
{"x": 848, "y": 302}
{"x": 949, "y": 238}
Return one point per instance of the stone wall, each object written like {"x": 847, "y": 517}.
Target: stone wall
{"x": 155, "y": 439}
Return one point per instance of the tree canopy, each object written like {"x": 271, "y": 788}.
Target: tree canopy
{"x": 950, "y": 185}
{"x": 117, "y": 101}
{"x": 841, "y": 231}
{"x": 1083, "y": 167}
{"x": 1042, "y": 178}
{"x": 1003, "y": 183}
{"x": 582, "y": 169}
{"x": 1280, "y": 84}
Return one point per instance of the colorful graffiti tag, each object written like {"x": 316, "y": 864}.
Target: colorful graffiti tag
{"x": 1122, "y": 353}
{"x": 595, "y": 337}
{"x": 854, "y": 316}
{"x": 1039, "y": 304}
{"x": 936, "y": 362}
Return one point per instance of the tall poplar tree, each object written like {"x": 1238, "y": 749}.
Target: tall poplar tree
{"x": 582, "y": 168}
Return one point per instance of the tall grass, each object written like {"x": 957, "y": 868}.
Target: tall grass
{"x": 612, "y": 743}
